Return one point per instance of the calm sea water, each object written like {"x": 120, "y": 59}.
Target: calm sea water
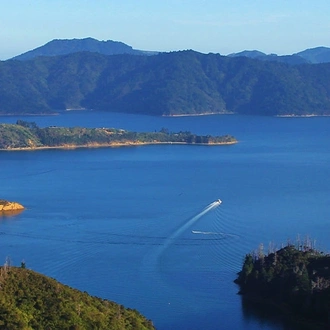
{"x": 125, "y": 224}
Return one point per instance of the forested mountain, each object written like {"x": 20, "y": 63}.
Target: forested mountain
{"x": 175, "y": 83}
{"x": 33, "y": 301}
{"x": 69, "y": 46}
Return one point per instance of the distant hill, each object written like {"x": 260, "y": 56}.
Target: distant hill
{"x": 316, "y": 55}
{"x": 288, "y": 59}
{"x": 175, "y": 83}
{"x": 248, "y": 53}
{"x": 33, "y": 301}
{"x": 69, "y": 46}
{"x": 312, "y": 56}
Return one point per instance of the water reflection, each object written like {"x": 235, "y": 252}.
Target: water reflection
{"x": 267, "y": 315}
{"x": 10, "y": 214}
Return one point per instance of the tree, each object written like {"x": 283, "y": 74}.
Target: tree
{"x": 27, "y": 124}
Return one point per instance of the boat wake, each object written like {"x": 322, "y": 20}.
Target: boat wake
{"x": 188, "y": 224}
{"x": 223, "y": 235}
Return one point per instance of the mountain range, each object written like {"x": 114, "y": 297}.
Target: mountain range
{"x": 109, "y": 47}
{"x": 175, "y": 83}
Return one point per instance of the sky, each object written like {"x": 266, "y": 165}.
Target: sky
{"x": 207, "y": 26}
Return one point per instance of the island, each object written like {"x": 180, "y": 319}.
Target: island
{"x": 6, "y": 206}
{"x": 28, "y": 136}
{"x": 294, "y": 280}
{"x": 30, "y": 300}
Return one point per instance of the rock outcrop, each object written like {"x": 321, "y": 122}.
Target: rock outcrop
{"x": 6, "y": 206}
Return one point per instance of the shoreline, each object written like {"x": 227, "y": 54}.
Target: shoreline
{"x": 115, "y": 145}
{"x": 301, "y": 116}
{"x": 166, "y": 116}
{"x": 200, "y": 114}
{"x": 29, "y": 114}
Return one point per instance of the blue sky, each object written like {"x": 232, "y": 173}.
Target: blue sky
{"x": 218, "y": 26}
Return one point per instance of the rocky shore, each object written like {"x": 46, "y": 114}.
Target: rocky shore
{"x": 6, "y": 206}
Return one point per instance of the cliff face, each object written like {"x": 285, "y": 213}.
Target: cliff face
{"x": 10, "y": 206}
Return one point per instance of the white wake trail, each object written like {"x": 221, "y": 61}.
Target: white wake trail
{"x": 189, "y": 223}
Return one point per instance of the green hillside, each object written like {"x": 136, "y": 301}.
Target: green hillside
{"x": 173, "y": 83}
{"x": 33, "y": 301}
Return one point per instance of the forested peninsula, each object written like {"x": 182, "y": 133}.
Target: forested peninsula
{"x": 294, "y": 280}
{"x": 28, "y": 136}
{"x": 30, "y": 300}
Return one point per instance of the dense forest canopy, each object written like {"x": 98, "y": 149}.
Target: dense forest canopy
{"x": 295, "y": 279}
{"x": 29, "y": 300}
{"x": 185, "y": 82}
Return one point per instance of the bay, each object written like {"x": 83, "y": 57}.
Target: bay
{"x": 113, "y": 221}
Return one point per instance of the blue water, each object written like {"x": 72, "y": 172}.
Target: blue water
{"x": 107, "y": 220}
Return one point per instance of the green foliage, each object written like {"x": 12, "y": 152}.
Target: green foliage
{"x": 27, "y": 124}
{"x": 173, "y": 83}
{"x": 14, "y": 136}
{"x": 29, "y": 300}
{"x": 28, "y": 135}
{"x": 294, "y": 278}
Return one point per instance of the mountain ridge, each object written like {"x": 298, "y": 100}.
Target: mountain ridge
{"x": 57, "y": 47}
{"x": 315, "y": 55}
